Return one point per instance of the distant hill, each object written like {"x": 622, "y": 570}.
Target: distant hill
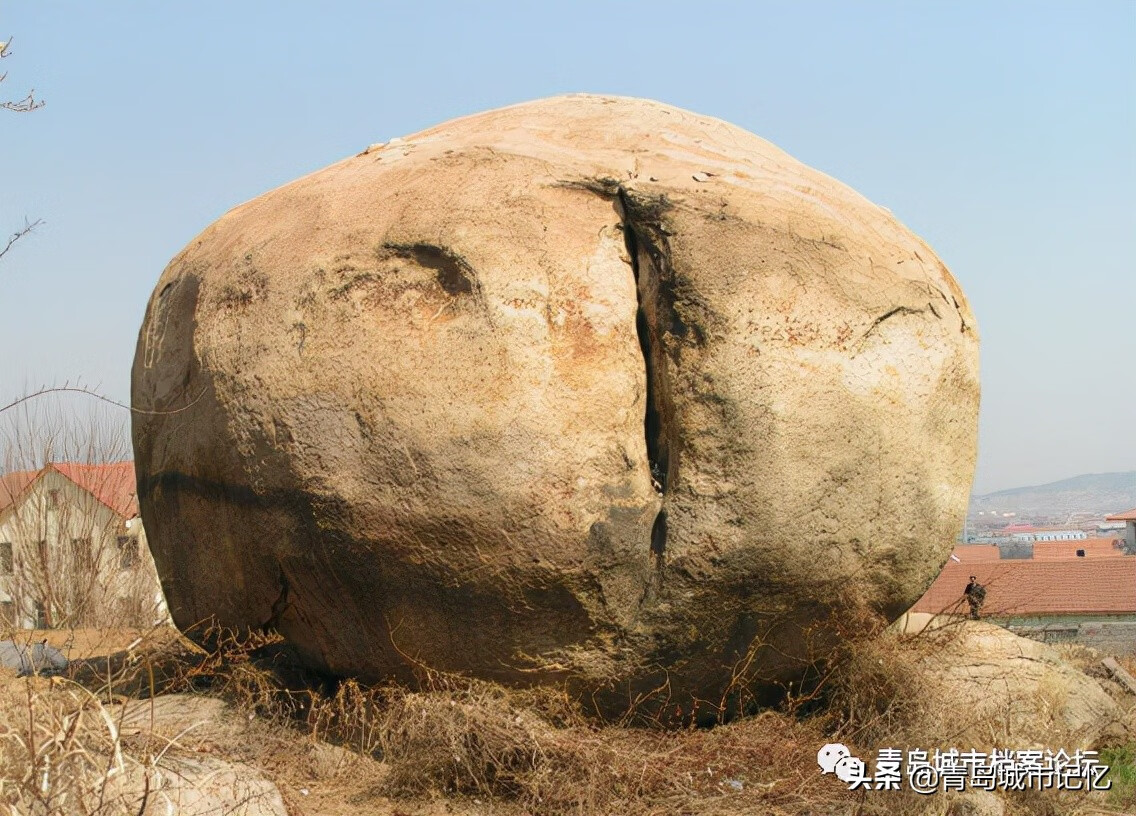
{"x": 1099, "y": 493}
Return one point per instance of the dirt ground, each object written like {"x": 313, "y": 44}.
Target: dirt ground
{"x": 77, "y": 644}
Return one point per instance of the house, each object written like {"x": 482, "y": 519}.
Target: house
{"x": 1084, "y": 548}
{"x": 1129, "y": 519}
{"x": 73, "y": 551}
{"x": 1052, "y": 535}
{"x": 1080, "y": 547}
{"x": 1028, "y": 532}
{"x": 1090, "y": 600}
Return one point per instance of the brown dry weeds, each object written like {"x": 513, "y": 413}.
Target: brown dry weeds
{"x": 453, "y": 745}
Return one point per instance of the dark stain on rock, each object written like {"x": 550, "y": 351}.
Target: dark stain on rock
{"x": 454, "y": 274}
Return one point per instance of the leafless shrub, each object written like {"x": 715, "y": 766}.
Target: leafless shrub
{"x": 66, "y": 752}
{"x": 59, "y": 749}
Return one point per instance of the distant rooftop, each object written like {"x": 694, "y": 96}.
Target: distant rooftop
{"x": 1128, "y": 515}
{"x": 1067, "y": 548}
{"x": 1030, "y": 528}
{"x": 13, "y": 484}
{"x": 1091, "y": 547}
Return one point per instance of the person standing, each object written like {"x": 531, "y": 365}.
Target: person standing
{"x": 975, "y": 594}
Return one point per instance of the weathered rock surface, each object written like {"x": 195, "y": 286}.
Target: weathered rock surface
{"x": 587, "y": 389}
{"x": 181, "y": 779}
{"x": 206, "y": 786}
{"x": 983, "y": 686}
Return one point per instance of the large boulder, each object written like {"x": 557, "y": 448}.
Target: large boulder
{"x": 588, "y": 389}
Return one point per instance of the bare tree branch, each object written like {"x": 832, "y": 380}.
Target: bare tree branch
{"x": 20, "y": 233}
{"x": 28, "y": 103}
{"x": 25, "y": 105}
{"x": 90, "y": 392}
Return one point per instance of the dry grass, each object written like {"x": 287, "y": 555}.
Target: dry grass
{"x": 59, "y": 749}
{"x": 535, "y": 751}
{"x": 533, "y": 747}
{"x": 63, "y": 752}
{"x": 471, "y": 747}
{"x": 72, "y": 745}
{"x": 527, "y": 751}
{"x": 877, "y": 695}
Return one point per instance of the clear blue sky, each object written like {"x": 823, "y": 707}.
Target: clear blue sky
{"x": 1001, "y": 132}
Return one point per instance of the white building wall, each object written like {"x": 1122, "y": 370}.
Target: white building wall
{"x": 98, "y": 571}
{"x": 1062, "y": 535}
{"x": 1051, "y": 535}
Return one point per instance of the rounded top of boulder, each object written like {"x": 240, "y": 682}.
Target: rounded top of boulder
{"x": 628, "y": 142}
{"x": 605, "y": 130}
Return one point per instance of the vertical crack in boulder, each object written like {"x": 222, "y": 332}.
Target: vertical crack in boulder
{"x": 279, "y": 606}
{"x": 659, "y": 535}
{"x": 652, "y": 321}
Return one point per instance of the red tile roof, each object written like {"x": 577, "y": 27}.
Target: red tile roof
{"x": 13, "y": 484}
{"x": 112, "y": 484}
{"x": 1093, "y": 547}
{"x": 1078, "y": 586}
{"x": 968, "y": 553}
{"x": 1127, "y": 515}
